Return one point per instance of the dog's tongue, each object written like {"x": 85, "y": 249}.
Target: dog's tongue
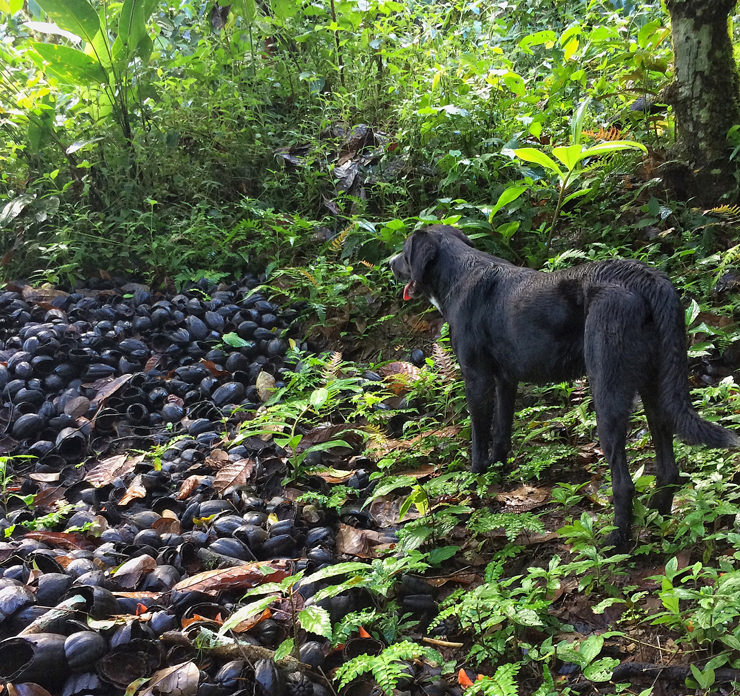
{"x": 408, "y": 291}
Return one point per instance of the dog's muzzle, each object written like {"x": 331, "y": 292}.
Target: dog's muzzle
{"x": 409, "y": 291}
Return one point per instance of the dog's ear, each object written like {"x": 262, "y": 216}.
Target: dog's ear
{"x": 420, "y": 250}
{"x": 456, "y": 233}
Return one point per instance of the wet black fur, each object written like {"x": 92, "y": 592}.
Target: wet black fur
{"x": 620, "y": 322}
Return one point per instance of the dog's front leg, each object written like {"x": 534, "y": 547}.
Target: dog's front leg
{"x": 502, "y": 420}
{"x": 480, "y": 393}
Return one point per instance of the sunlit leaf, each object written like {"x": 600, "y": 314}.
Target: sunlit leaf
{"x": 76, "y": 16}
{"x": 530, "y": 154}
{"x": 70, "y": 65}
{"x": 315, "y": 619}
{"x": 509, "y": 195}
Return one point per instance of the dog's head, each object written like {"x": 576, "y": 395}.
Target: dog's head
{"x": 420, "y": 253}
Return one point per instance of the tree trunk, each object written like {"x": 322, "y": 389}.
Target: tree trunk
{"x": 705, "y": 96}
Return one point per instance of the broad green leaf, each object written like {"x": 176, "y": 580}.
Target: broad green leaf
{"x": 51, "y": 28}
{"x": 39, "y": 130}
{"x": 576, "y": 194}
{"x": 515, "y": 83}
{"x": 284, "y": 649}
{"x": 601, "y": 670}
{"x": 508, "y": 229}
{"x": 570, "y": 48}
{"x": 419, "y": 499}
{"x": 591, "y": 647}
{"x": 264, "y": 589}
{"x": 284, "y": 9}
{"x": 144, "y": 50}
{"x": 442, "y": 553}
{"x": 77, "y": 16}
{"x": 334, "y": 590}
{"x": 546, "y": 37}
{"x": 131, "y": 24}
{"x": 338, "y": 569}
{"x": 509, "y": 195}
{"x": 613, "y": 146}
{"x": 731, "y": 641}
{"x": 321, "y": 446}
{"x": 569, "y": 156}
{"x": 530, "y": 154}
{"x": 234, "y": 340}
{"x": 247, "y": 9}
{"x": 80, "y": 144}
{"x": 319, "y": 397}
{"x": 70, "y": 65}
{"x": 576, "y": 124}
{"x": 15, "y": 6}
{"x": 245, "y": 613}
{"x": 316, "y": 620}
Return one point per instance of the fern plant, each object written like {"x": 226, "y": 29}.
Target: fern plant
{"x": 497, "y": 611}
{"x": 513, "y": 523}
{"x": 388, "y": 668}
{"x": 503, "y": 683}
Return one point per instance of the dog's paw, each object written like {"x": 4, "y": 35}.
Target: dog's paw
{"x": 619, "y": 539}
{"x": 662, "y": 501}
{"x": 481, "y": 466}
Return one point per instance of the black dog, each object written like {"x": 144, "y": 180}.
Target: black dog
{"x": 619, "y": 322}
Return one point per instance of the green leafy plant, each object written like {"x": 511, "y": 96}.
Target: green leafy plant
{"x": 585, "y": 657}
{"x": 571, "y": 157}
{"x": 388, "y": 668}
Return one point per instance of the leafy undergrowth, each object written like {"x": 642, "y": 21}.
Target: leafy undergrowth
{"x": 506, "y": 575}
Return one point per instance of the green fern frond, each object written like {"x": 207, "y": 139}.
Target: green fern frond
{"x": 387, "y": 668}
{"x": 730, "y": 257}
{"x": 502, "y": 683}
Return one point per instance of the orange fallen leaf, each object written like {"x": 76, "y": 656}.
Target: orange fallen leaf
{"x": 463, "y": 679}
{"x": 251, "y": 622}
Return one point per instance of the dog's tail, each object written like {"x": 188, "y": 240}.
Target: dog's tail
{"x": 673, "y": 372}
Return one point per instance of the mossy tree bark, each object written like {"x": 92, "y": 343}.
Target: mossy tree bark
{"x": 705, "y": 95}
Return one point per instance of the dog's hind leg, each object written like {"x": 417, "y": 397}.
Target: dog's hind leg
{"x": 661, "y": 430}
{"x": 614, "y": 355}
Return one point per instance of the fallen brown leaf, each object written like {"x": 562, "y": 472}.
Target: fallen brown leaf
{"x": 180, "y": 680}
{"x": 188, "y": 486}
{"x": 524, "y": 498}
{"x": 211, "y": 367}
{"x": 325, "y": 433}
{"x": 107, "y": 387}
{"x": 386, "y": 511}
{"x": 217, "y": 459}
{"x": 167, "y": 525}
{"x": 112, "y": 468}
{"x": 360, "y": 542}
{"x": 240, "y": 577}
{"x": 251, "y": 622}
{"x": 129, "y": 574}
{"x": 135, "y": 490}
{"x": 333, "y": 476}
{"x": 379, "y": 446}
{"x": 67, "y": 540}
{"x": 234, "y": 475}
{"x": 153, "y": 362}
